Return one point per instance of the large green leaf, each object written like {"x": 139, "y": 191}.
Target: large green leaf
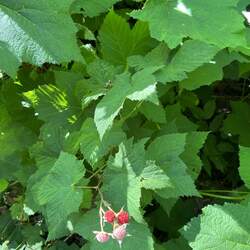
{"x": 118, "y": 41}
{"x": 220, "y": 227}
{"x": 56, "y": 192}
{"x": 31, "y": 31}
{"x": 171, "y": 21}
{"x": 127, "y": 173}
{"x": 139, "y": 87}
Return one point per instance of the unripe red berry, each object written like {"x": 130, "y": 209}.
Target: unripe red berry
{"x": 120, "y": 232}
{"x": 109, "y": 216}
{"x": 102, "y": 236}
{"x": 123, "y": 218}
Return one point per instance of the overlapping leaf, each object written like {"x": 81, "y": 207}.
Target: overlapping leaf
{"x": 171, "y": 21}
{"x": 219, "y": 227}
{"x": 57, "y": 194}
{"x": 141, "y": 86}
{"x": 31, "y": 32}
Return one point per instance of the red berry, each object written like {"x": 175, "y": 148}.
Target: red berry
{"x": 102, "y": 236}
{"x": 109, "y": 216}
{"x": 123, "y": 218}
{"x": 120, "y": 232}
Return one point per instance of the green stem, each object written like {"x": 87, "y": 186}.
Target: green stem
{"x": 223, "y": 196}
{"x": 98, "y": 171}
{"x": 85, "y": 187}
{"x": 224, "y": 191}
{"x": 131, "y": 113}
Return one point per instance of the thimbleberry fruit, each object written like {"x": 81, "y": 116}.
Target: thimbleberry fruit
{"x": 120, "y": 232}
{"x": 123, "y": 217}
{"x": 102, "y": 236}
{"x": 109, "y": 216}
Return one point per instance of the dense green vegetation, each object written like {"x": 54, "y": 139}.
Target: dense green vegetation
{"x": 141, "y": 108}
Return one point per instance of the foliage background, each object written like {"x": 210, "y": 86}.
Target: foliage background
{"x": 145, "y": 102}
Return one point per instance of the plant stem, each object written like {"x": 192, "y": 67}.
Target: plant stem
{"x": 224, "y": 191}
{"x": 99, "y": 170}
{"x": 86, "y": 187}
{"x": 133, "y": 110}
{"x": 223, "y": 197}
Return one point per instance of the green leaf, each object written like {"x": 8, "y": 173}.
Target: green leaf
{"x": 179, "y": 243}
{"x": 176, "y": 121}
{"x": 219, "y": 227}
{"x": 153, "y": 177}
{"x": 88, "y": 140}
{"x": 122, "y": 185}
{"x": 237, "y": 122}
{"x": 15, "y": 139}
{"x": 172, "y": 21}
{"x": 194, "y": 142}
{"x": 150, "y": 110}
{"x": 57, "y": 193}
{"x": 166, "y": 151}
{"x": 102, "y": 72}
{"x": 31, "y": 32}
{"x": 139, "y": 87}
{"x": 186, "y": 60}
{"x": 57, "y": 103}
{"x": 210, "y": 72}
{"x": 3, "y": 185}
{"x": 9, "y": 62}
{"x": 244, "y": 165}
{"x": 157, "y": 57}
{"x": 118, "y": 41}
{"x": 92, "y": 8}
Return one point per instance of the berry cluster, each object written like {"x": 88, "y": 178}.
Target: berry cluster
{"x": 119, "y": 222}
